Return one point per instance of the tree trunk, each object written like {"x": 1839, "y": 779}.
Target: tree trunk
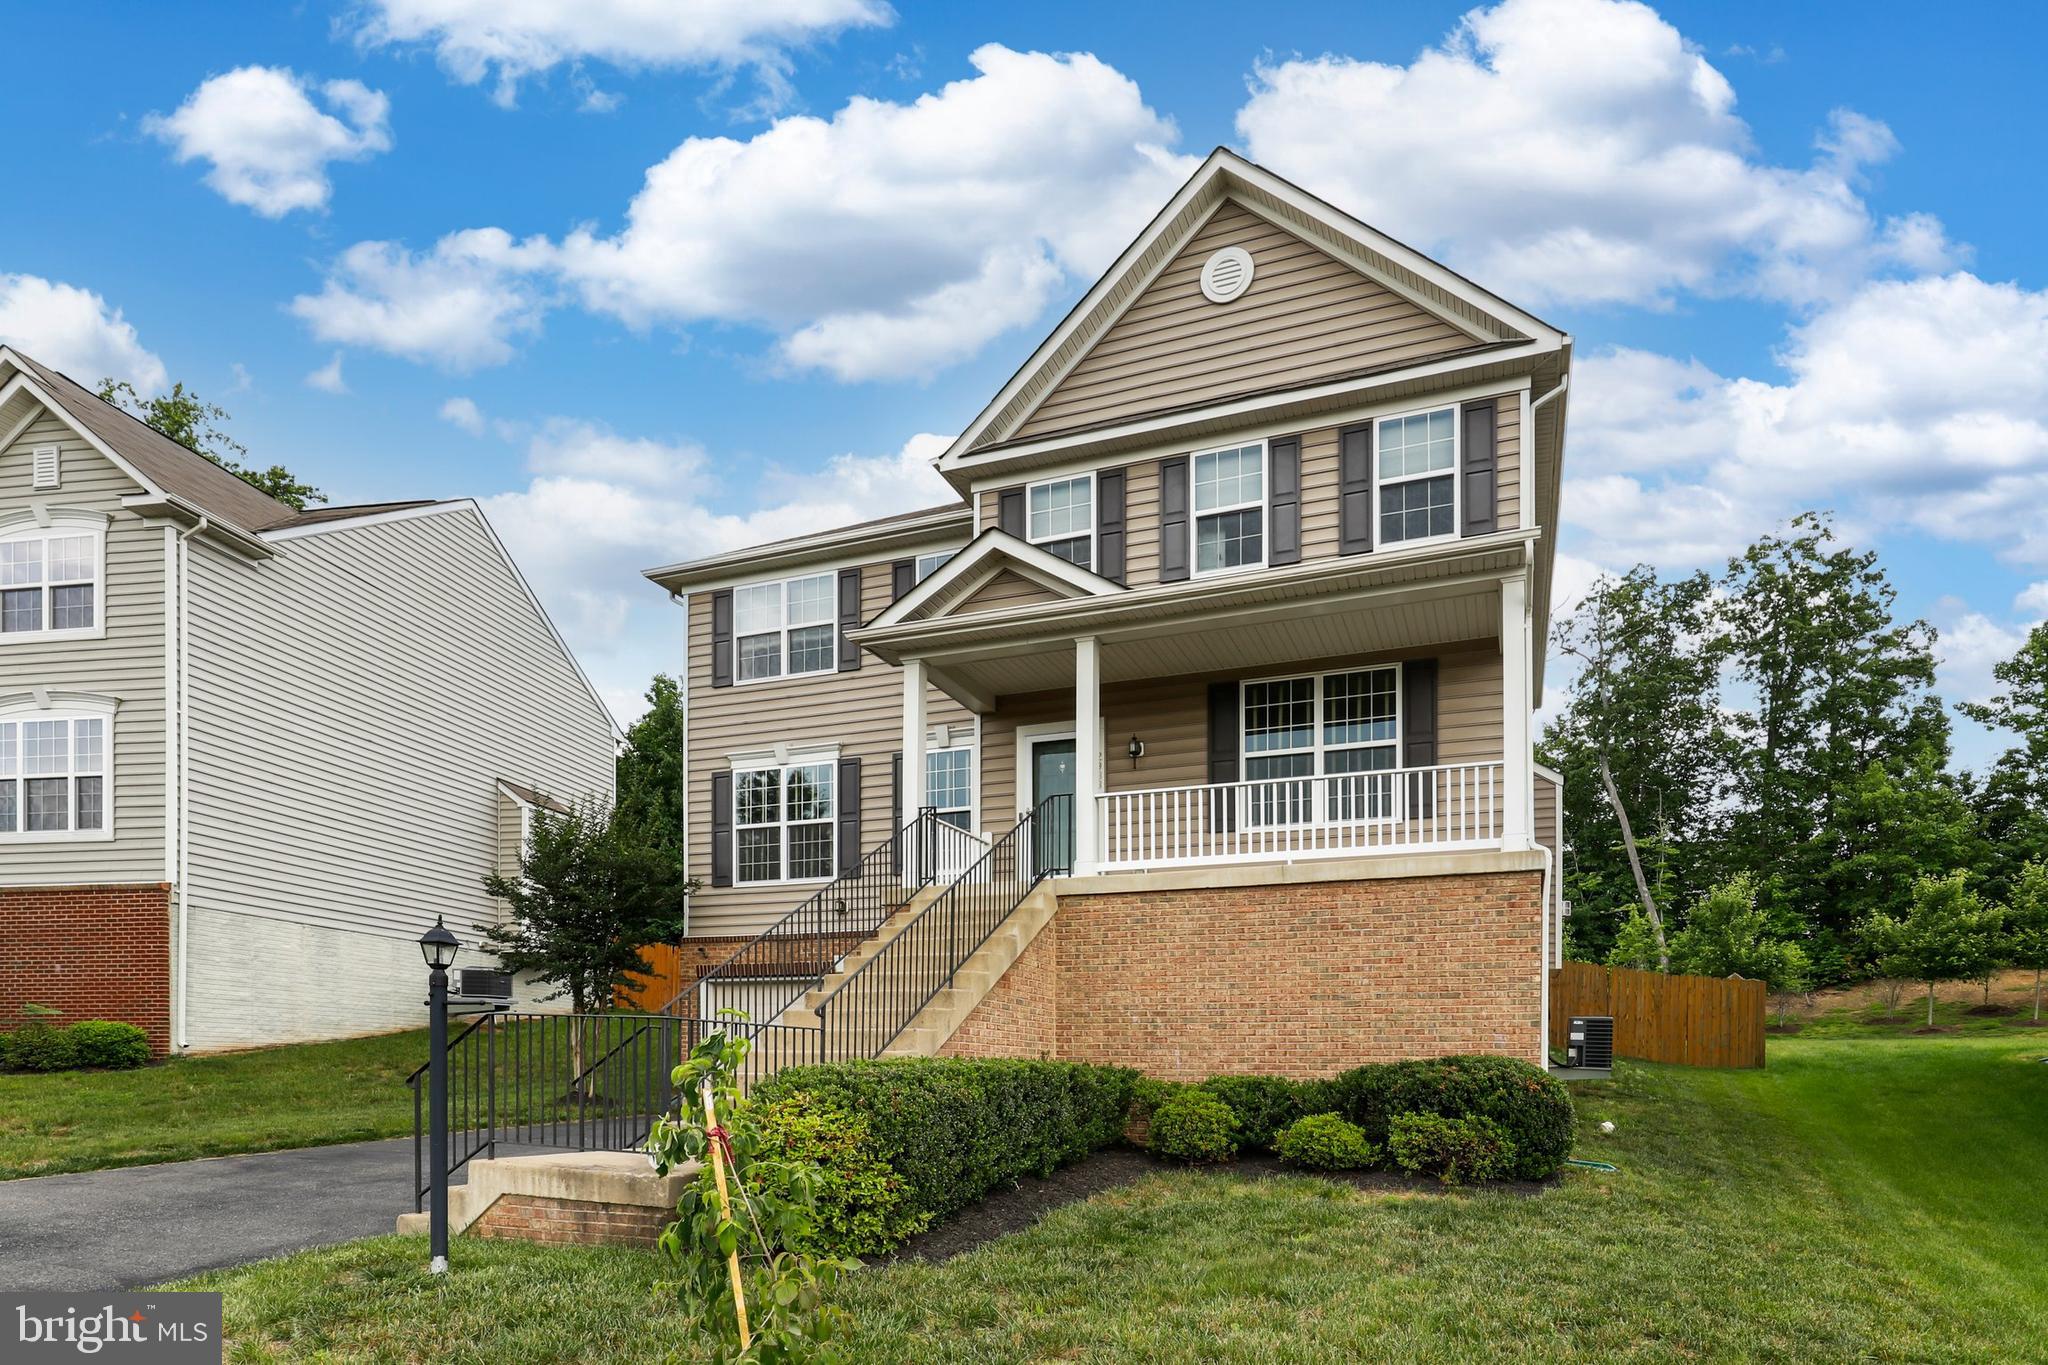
{"x": 1930, "y": 1004}
{"x": 1635, "y": 864}
{"x": 2037, "y": 995}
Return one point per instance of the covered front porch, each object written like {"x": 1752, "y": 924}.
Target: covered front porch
{"x": 1343, "y": 709}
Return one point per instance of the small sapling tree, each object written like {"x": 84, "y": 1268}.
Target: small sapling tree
{"x": 1948, "y": 935}
{"x": 1728, "y": 935}
{"x": 2027, "y": 924}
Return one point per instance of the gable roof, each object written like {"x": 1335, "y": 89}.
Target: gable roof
{"x": 153, "y": 459}
{"x": 988, "y": 556}
{"x": 1491, "y": 321}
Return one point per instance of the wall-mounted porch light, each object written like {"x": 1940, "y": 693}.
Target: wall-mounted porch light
{"x": 1136, "y": 749}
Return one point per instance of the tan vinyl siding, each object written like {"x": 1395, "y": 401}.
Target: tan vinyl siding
{"x": 355, "y": 702}
{"x": 1507, "y": 462}
{"x": 1171, "y": 716}
{"x": 861, "y": 712}
{"x": 127, "y": 664}
{"x": 1548, "y": 815}
{"x": 1007, "y": 589}
{"x": 1306, "y": 316}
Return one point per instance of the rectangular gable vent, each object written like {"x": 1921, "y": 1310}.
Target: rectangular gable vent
{"x": 46, "y": 468}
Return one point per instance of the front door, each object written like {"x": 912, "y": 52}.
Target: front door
{"x": 1052, "y": 774}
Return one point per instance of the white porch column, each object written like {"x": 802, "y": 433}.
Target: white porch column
{"x": 1518, "y": 761}
{"x": 913, "y": 751}
{"x": 1087, "y": 751}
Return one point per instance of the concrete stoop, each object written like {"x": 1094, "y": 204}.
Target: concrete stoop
{"x": 938, "y": 1021}
{"x": 582, "y": 1197}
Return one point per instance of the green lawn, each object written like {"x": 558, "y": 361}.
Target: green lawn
{"x": 1872, "y": 1199}
{"x": 302, "y": 1096}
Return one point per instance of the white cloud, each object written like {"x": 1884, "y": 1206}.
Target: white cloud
{"x": 573, "y": 448}
{"x": 268, "y": 143}
{"x": 517, "y": 39}
{"x": 885, "y": 242}
{"x": 328, "y": 378}
{"x": 239, "y": 378}
{"x": 1582, "y": 152}
{"x": 73, "y": 330}
{"x": 2032, "y": 601}
{"x": 464, "y": 414}
{"x": 458, "y": 306}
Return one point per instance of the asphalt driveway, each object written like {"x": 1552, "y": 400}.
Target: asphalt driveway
{"x": 136, "y": 1226}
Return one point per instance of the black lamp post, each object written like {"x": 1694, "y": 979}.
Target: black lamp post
{"x": 439, "y": 947}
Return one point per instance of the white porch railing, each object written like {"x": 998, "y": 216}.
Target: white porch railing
{"x": 1397, "y": 810}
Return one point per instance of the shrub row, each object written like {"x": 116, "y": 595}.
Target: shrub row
{"x": 98, "y": 1043}
{"x": 946, "y": 1130}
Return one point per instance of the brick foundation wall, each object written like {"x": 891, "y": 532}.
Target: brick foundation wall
{"x": 94, "y": 952}
{"x": 1019, "y": 1016}
{"x": 579, "y": 1222}
{"x": 1300, "y": 980}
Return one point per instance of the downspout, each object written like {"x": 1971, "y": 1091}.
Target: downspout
{"x": 1563, "y": 381}
{"x": 184, "y": 1039}
{"x": 1543, "y": 956}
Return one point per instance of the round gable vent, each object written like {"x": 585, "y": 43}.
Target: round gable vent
{"x": 1226, "y": 274}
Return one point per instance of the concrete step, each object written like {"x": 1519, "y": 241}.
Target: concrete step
{"x": 563, "y": 1196}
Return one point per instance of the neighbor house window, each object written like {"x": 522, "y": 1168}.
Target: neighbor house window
{"x": 949, "y": 785}
{"x": 1230, "y": 508}
{"x": 1418, "y": 461}
{"x": 1062, "y": 519}
{"x": 50, "y": 582}
{"x": 53, "y": 775}
{"x": 782, "y": 821}
{"x": 927, "y": 565}
{"x": 1343, "y": 726}
{"x": 786, "y": 628}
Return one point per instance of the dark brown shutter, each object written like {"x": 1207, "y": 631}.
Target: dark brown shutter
{"x": 1109, "y": 524}
{"x": 1010, "y": 512}
{"x": 1283, "y": 504}
{"x": 1224, "y": 743}
{"x": 849, "y": 619}
{"x": 848, "y": 797}
{"x": 1354, "y": 489}
{"x": 721, "y": 638}
{"x": 902, "y": 578}
{"x": 721, "y": 829}
{"x": 1418, "y": 734}
{"x": 1481, "y": 496}
{"x": 1173, "y": 519}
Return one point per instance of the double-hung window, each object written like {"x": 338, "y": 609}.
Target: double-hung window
{"x": 50, "y": 582}
{"x": 1342, "y": 727}
{"x": 949, "y": 785}
{"x": 782, "y": 821}
{"x": 1230, "y": 508}
{"x": 1061, "y": 518}
{"x": 54, "y": 770}
{"x": 1418, "y": 476}
{"x": 787, "y": 628}
{"x": 929, "y": 564}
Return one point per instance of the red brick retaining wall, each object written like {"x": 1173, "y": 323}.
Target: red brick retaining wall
{"x": 1019, "y": 1017}
{"x": 579, "y": 1222}
{"x": 94, "y": 952}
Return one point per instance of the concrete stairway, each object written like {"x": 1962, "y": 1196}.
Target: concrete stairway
{"x": 562, "y": 1196}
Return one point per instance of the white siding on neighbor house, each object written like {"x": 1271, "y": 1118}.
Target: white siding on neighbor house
{"x": 355, "y": 702}
{"x": 127, "y": 664}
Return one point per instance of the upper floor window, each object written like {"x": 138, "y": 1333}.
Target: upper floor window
{"x": 1061, "y": 519}
{"x": 927, "y": 565}
{"x": 1230, "y": 508}
{"x": 53, "y": 775}
{"x": 782, "y": 822}
{"x": 786, "y": 628}
{"x": 50, "y": 581}
{"x": 1418, "y": 462}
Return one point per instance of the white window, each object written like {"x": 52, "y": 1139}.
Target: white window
{"x": 50, "y": 582}
{"x": 54, "y": 771}
{"x": 786, "y": 628}
{"x": 1418, "y": 478}
{"x": 927, "y": 565}
{"x": 783, "y": 823}
{"x": 1061, "y": 519}
{"x": 949, "y": 785}
{"x": 1230, "y": 508}
{"x": 1342, "y": 726}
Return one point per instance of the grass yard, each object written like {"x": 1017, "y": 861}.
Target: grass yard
{"x": 302, "y": 1096}
{"x": 1872, "y": 1199}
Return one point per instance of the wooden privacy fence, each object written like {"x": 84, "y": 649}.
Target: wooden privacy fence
{"x": 1690, "y": 1020}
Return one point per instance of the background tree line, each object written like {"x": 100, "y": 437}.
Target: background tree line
{"x": 1758, "y": 777}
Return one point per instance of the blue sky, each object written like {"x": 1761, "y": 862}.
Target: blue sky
{"x": 656, "y": 280}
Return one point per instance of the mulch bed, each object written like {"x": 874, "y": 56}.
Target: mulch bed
{"x": 1014, "y": 1210}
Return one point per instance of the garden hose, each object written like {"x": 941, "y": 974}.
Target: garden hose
{"x": 1591, "y": 1165}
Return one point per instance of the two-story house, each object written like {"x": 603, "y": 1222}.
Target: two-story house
{"x": 248, "y": 754}
{"x": 1243, "y": 604}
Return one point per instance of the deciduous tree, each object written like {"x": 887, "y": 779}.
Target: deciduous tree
{"x": 197, "y": 425}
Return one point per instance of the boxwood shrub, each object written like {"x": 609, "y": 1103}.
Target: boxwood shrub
{"x": 862, "y": 1204}
{"x": 108, "y": 1043}
{"x": 1262, "y": 1105}
{"x": 1457, "y": 1151}
{"x": 953, "y": 1129}
{"x": 1194, "y": 1126}
{"x": 1531, "y": 1106}
{"x": 38, "y": 1047}
{"x": 1327, "y": 1142}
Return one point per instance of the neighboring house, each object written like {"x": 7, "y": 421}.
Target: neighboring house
{"x": 248, "y": 754}
{"x": 1251, "y": 575}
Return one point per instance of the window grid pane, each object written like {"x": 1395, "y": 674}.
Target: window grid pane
{"x": 71, "y": 559}
{"x": 10, "y": 807}
{"x": 1414, "y": 511}
{"x": 810, "y": 850}
{"x": 1421, "y": 444}
{"x": 1279, "y": 715}
{"x": 1228, "y": 540}
{"x": 759, "y": 855}
{"x": 927, "y": 565}
{"x": 9, "y": 752}
{"x": 91, "y": 806}
{"x": 1074, "y": 551}
{"x": 946, "y": 779}
{"x": 49, "y": 804}
{"x": 811, "y": 649}
{"x": 1229, "y": 478}
{"x": 1061, "y": 509}
{"x": 45, "y": 746}
{"x": 810, "y": 599}
{"x": 71, "y": 608}
{"x": 21, "y": 562}
{"x": 757, "y": 609}
{"x": 809, "y": 792}
{"x": 1358, "y": 708}
{"x": 760, "y": 656}
{"x": 21, "y": 609}
{"x": 757, "y": 797}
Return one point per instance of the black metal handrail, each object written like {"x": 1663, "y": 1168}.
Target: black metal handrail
{"x": 799, "y": 949}
{"x": 865, "y": 1012}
